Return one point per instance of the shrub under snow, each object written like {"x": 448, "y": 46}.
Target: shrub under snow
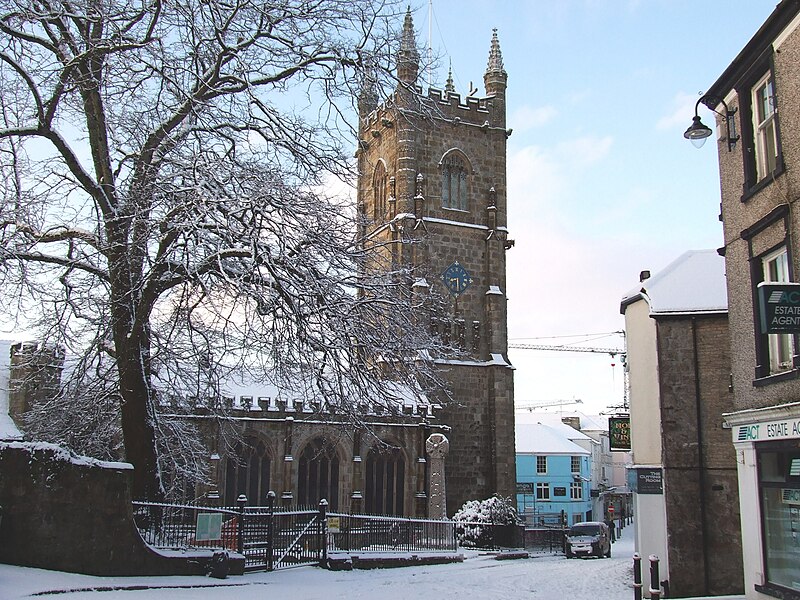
{"x": 472, "y": 520}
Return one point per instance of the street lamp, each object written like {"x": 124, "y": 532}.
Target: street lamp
{"x": 698, "y": 133}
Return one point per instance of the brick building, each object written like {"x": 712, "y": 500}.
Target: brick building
{"x": 432, "y": 191}
{"x": 683, "y": 475}
{"x": 757, "y": 100}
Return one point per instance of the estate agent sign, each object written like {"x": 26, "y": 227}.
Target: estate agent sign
{"x": 779, "y": 307}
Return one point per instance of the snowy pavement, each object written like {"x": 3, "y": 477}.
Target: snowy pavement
{"x": 479, "y": 576}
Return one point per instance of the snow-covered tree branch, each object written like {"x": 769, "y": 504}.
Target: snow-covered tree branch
{"x": 167, "y": 201}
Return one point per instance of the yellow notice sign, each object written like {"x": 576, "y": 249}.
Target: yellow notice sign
{"x": 333, "y": 524}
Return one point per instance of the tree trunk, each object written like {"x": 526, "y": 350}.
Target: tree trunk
{"x": 138, "y": 422}
{"x": 132, "y": 346}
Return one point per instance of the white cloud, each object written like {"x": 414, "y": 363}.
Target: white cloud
{"x": 528, "y": 117}
{"x": 585, "y": 150}
{"x": 681, "y": 112}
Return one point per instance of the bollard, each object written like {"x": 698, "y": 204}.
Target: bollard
{"x": 655, "y": 584}
{"x": 270, "y": 530}
{"x": 241, "y": 501}
{"x": 323, "y": 529}
{"x": 637, "y": 577}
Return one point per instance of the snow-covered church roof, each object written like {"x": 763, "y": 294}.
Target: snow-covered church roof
{"x": 692, "y": 283}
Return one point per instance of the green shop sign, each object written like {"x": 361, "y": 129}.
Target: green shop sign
{"x": 779, "y": 307}
{"x": 619, "y": 433}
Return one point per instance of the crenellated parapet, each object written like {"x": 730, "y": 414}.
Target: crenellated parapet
{"x": 280, "y": 408}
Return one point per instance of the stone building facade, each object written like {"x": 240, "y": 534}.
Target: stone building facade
{"x": 676, "y": 327}
{"x": 432, "y": 193}
{"x": 757, "y": 101}
{"x": 413, "y": 151}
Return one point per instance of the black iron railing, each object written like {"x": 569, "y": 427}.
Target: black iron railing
{"x": 273, "y": 538}
{"x": 489, "y": 535}
{"x": 369, "y": 533}
{"x": 176, "y": 525}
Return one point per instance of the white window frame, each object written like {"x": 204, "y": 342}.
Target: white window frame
{"x": 765, "y": 135}
{"x": 541, "y": 465}
{"x": 576, "y": 490}
{"x": 575, "y": 464}
{"x": 781, "y": 345}
{"x": 542, "y": 491}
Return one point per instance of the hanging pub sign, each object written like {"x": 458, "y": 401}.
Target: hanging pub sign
{"x": 779, "y": 307}
{"x": 619, "y": 433}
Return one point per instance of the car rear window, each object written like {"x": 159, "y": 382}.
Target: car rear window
{"x": 585, "y": 530}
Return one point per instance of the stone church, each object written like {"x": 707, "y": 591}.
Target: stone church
{"x": 432, "y": 188}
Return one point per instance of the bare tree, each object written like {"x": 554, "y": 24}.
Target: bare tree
{"x": 166, "y": 201}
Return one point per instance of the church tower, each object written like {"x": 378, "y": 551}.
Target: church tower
{"x": 432, "y": 187}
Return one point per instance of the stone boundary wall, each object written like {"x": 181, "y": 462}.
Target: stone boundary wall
{"x": 68, "y": 513}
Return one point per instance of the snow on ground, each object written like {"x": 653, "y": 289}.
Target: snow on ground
{"x": 479, "y": 576}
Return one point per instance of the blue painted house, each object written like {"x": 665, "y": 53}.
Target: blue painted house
{"x": 553, "y": 476}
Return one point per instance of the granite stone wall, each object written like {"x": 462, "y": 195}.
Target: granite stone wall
{"x": 700, "y": 482}
{"x": 67, "y": 513}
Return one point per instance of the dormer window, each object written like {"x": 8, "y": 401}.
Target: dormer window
{"x": 454, "y": 182}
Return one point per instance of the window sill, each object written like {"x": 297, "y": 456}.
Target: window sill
{"x": 778, "y": 592}
{"x": 749, "y": 193}
{"x": 777, "y": 377}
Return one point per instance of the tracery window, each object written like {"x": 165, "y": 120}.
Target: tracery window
{"x": 379, "y": 192}
{"x": 454, "y": 182}
{"x": 384, "y": 485}
{"x": 318, "y": 475}
{"x": 247, "y": 472}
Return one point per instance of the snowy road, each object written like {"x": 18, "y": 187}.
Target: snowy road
{"x": 480, "y": 577}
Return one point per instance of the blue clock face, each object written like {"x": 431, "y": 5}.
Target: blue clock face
{"x": 456, "y": 278}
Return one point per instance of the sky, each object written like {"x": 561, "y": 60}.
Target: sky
{"x": 601, "y": 183}
{"x": 480, "y": 576}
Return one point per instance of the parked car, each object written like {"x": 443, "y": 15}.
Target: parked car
{"x": 590, "y": 538}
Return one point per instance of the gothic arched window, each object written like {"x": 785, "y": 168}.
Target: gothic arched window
{"x": 247, "y": 472}
{"x": 454, "y": 182}
{"x": 385, "y": 476}
{"x": 379, "y": 192}
{"x": 318, "y": 475}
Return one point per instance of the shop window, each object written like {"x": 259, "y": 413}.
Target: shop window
{"x": 318, "y": 475}
{"x": 779, "y": 483}
{"x": 384, "y": 484}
